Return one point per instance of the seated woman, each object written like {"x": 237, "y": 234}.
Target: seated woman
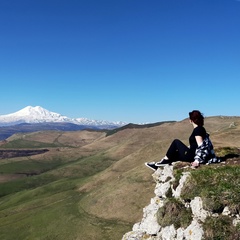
{"x": 200, "y": 149}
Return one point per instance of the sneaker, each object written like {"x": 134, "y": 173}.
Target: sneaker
{"x": 163, "y": 162}
{"x": 151, "y": 165}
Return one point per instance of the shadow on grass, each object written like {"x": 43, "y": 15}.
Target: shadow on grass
{"x": 229, "y": 156}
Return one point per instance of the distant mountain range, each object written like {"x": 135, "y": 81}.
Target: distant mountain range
{"x": 38, "y": 114}
{"x": 30, "y": 119}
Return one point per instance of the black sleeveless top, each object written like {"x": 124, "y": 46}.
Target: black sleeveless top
{"x": 198, "y": 131}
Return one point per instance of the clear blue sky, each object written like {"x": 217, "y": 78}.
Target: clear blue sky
{"x": 127, "y": 60}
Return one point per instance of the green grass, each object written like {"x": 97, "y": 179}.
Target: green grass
{"x": 46, "y": 206}
{"x": 223, "y": 151}
{"x": 21, "y": 143}
{"x": 29, "y": 166}
{"x": 75, "y": 168}
{"x": 220, "y": 228}
{"x": 217, "y": 186}
{"x": 53, "y": 212}
{"x": 33, "y": 172}
{"x": 24, "y": 184}
{"x": 50, "y": 205}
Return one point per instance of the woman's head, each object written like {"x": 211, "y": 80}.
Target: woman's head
{"x": 197, "y": 117}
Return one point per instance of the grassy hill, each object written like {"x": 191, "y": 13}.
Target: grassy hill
{"x": 90, "y": 185}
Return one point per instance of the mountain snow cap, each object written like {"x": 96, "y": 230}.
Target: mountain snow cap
{"x": 36, "y": 111}
{"x": 38, "y": 114}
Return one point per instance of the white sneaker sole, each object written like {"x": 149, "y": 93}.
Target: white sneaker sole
{"x": 146, "y": 164}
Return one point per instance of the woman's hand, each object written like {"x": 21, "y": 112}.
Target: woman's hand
{"x": 195, "y": 164}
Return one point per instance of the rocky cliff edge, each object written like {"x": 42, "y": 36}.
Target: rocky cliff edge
{"x": 150, "y": 228}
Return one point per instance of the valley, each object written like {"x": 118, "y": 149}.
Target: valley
{"x": 89, "y": 184}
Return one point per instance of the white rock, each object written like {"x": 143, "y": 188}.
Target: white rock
{"x": 136, "y": 227}
{"x": 226, "y": 211}
{"x": 180, "y": 233}
{"x": 236, "y": 221}
{"x": 197, "y": 209}
{"x": 183, "y": 179}
{"x": 163, "y": 174}
{"x": 194, "y": 231}
{"x": 134, "y": 235}
{"x": 161, "y": 189}
{"x": 168, "y": 233}
{"x": 149, "y": 222}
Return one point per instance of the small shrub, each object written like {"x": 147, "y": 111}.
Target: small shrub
{"x": 220, "y": 228}
{"x": 214, "y": 205}
{"x": 174, "y": 212}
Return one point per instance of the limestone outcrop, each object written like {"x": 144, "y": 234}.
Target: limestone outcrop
{"x": 149, "y": 227}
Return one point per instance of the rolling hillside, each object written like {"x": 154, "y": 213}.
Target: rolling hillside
{"x": 89, "y": 185}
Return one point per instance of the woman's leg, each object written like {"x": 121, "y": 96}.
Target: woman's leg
{"x": 178, "y": 152}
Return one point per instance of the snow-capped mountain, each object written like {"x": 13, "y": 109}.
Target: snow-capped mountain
{"x": 38, "y": 114}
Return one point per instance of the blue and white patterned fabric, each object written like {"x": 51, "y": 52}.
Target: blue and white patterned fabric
{"x": 205, "y": 154}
